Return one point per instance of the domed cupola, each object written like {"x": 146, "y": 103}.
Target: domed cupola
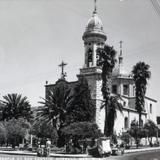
{"x": 94, "y": 23}
{"x": 94, "y": 27}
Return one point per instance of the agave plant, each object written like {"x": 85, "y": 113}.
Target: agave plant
{"x": 55, "y": 108}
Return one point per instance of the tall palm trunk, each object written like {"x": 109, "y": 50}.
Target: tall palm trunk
{"x": 61, "y": 139}
{"x": 106, "y": 94}
{"x": 107, "y": 60}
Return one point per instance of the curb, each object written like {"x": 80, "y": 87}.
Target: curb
{"x": 141, "y": 150}
{"x": 51, "y": 155}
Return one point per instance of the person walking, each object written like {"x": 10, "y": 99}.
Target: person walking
{"x": 48, "y": 147}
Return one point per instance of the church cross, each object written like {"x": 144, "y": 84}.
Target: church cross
{"x": 62, "y": 65}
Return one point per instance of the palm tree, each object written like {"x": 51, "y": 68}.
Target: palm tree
{"x": 63, "y": 106}
{"x": 141, "y": 74}
{"x": 53, "y": 112}
{"x": 55, "y": 108}
{"x": 15, "y": 106}
{"x": 107, "y": 60}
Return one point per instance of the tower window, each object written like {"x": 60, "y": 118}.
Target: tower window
{"x": 126, "y": 124}
{"x": 126, "y": 90}
{"x": 134, "y": 89}
{"x": 90, "y": 58}
{"x": 150, "y": 108}
{"x": 114, "y": 89}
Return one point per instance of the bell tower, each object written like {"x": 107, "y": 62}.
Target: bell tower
{"x": 93, "y": 38}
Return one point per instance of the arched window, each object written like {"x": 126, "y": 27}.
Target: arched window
{"x": 141, "y": 122}
{"x": 150, "y": 108}
{"x": 90, "y": 57}
{"x": 126, "y": 89}
{"x": 126, "y": 125}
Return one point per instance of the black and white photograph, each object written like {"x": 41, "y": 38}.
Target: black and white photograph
{"x": 79, "y": 79}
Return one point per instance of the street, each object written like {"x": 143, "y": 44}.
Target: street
{"x": 148, "y": 155}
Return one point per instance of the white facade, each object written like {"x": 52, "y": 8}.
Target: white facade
{"x": 122, "y": 83}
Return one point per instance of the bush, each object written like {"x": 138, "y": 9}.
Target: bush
{"x": 126, "y": 138}
{"x": 82, "y": 130}
{"x": 16, "y": 131}
{"x": 3, "y": 134}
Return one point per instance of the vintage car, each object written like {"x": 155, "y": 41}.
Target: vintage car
{"x": 101, "y": 148}
{"x": 117, "y": 150}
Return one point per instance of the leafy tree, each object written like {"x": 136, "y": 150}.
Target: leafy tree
{"x": 114, "y": 138}
{"x": 16, "y": 130}
{"x": 82, "y": 107}
{"x": 136, "y": 132}
{"x": 82, "y": 130}
{"x": 15, "y": 106}
{"x": 141, "y": 74}
{"x": 151, "y": 130}
{"x": 41, "y": 129}
{"x": 107, "y": 60}
{"x": 3, "y": 134}
{"x": 126, "y": 137}
{"x": 1, "y": 110}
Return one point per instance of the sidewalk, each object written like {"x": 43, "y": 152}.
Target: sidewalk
{"x": 141, "y": 149}
{"x": 28, "y": 153}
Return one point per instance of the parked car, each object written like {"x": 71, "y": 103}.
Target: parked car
{"x": 100, "y": 147}
{"x": 117, "y": 150}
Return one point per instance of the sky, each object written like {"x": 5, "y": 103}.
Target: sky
{"x": 36, "y": 35}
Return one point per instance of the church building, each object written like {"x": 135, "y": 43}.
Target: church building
{"x": 122, "y": 82}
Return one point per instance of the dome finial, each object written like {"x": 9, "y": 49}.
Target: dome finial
{"x": 121, "y": 42}
{"x": 95, "y": 6}
{"x": 120, "y": 56}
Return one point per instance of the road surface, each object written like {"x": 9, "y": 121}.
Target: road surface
{"x": 148, "y": 155}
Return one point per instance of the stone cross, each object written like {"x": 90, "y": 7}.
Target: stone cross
{"x": 62, "y": 65}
